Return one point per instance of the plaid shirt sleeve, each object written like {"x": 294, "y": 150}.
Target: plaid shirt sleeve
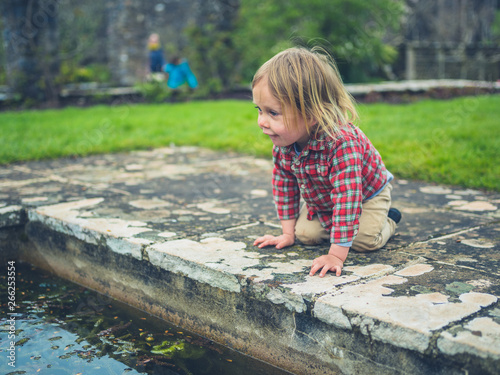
{"x": 286, "y": 191}
{"x": 347, "y": 191}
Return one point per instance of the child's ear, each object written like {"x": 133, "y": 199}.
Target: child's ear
{"x": 311, "y": 123}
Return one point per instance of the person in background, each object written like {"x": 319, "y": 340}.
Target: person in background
{"x": 179, "y": 72}
{"x": 156, "y": 60}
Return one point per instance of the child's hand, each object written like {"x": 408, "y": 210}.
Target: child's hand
{"x": 280, "y": 241}
{"x": 326, "y": 263}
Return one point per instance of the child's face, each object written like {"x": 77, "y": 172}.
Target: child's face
{"x": 271, "y": 118}
{"x": 154, "y": 38}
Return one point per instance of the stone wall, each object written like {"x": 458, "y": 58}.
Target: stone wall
{"x": 132, "y": 21}
{"x": 449, "y": 39}
{"x": 31, "y": 43}
{"x": 451, "y": 61}
{"x": 457, "y": 21}
{"x": 444, "y": 39}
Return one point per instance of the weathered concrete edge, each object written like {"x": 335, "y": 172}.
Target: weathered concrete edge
{"x": 144, "y": 251}
{"x": 11, "y": 216}
{"x": 251, "y": 325}
{"x": 198, "y": 272}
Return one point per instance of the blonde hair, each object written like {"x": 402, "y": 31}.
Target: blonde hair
{"x": 309, "y": 83}
{"x": 154, "y": 41}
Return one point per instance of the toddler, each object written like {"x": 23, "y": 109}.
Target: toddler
{"x": 179, "y": 73}
{"x": 155, "y": 54}
{"x": 321, "y": 156}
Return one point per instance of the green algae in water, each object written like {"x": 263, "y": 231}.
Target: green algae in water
{"x": 168, "y": 348}
{"x": 63, "y": 328}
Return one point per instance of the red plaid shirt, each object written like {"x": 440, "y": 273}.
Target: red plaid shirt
{"x": 333, "y": 176}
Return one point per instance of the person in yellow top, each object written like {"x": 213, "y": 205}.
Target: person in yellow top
{"x": 156, "y": 60}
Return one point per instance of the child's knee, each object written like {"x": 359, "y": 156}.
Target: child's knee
{"x": 308, "y": 237}
{"x": 374, "y": 240}
{"x": 365, "y": 242}
{"x": 367, "y": 245}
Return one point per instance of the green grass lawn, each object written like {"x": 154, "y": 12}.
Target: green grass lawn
{"x": 452, "y": 142}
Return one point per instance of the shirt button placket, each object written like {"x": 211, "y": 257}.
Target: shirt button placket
{"x": 295, "y": 165}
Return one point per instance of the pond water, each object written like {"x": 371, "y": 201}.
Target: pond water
{"x": 59, "y": 327}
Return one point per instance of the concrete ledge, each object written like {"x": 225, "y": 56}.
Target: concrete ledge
{"x": 382, "y": 91}
{"x": 170, "y": 231}
{"x": 422, "y": 86}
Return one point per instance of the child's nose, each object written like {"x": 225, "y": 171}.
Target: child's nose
{"x": 261, "y": 121}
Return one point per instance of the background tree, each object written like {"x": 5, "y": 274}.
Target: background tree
{"x": 83, "y": 43}
{"x": 212, "y": 51}
{"x": 353, "y": 31}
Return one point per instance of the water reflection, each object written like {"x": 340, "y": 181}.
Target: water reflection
{"x": 62, "y": 328}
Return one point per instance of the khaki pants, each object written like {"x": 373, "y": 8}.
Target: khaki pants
{"x": 375, "y": 228}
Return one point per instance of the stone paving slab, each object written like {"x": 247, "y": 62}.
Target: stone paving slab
{"x": 431, "y": 295}
{"x": 475, "y": 248}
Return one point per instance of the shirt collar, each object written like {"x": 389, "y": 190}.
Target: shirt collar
{"x": 319, "y": 143}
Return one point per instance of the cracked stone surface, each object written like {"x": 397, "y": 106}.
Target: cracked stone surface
{"x": 432, "y": 289}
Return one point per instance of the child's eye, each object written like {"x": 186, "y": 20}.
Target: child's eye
{"x": 273, "y": 113}
{"x": 258, "y": 109}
